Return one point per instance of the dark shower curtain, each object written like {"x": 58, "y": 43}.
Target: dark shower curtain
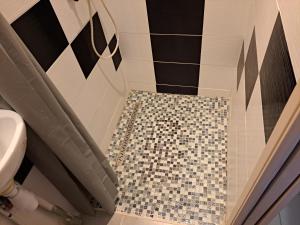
{"x": 56, "y": 137}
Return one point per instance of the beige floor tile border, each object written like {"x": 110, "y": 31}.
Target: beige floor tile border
{"x": 154, "y": 220}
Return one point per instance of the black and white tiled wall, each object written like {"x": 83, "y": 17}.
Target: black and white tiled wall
{"x": 179, "y": 47}
{"x": 266, "y": 77}
{"x": 41, "y": 31}
{"x": 176, "y": 33}
{"x": 58, "y": 35}
{"x": 276, "y": 75}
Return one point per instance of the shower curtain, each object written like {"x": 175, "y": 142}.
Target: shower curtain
{"x": 55, "y": 134}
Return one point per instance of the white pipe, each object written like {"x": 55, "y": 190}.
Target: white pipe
{"x": 27, "y": 201}
{"x": 22, "y": 198}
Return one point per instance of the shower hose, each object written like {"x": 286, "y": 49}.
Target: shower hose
{"x": 102, "y": 56}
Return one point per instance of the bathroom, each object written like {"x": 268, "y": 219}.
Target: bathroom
{"x": 151, "y": 111}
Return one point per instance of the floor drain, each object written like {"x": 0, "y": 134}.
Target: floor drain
{"x": 124, "y": 142}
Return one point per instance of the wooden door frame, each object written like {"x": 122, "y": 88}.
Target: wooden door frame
{"x": 281, "y": 144}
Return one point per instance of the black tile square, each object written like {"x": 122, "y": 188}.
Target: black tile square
{"x": 41, "y": 32}
{"x": 277, "y": 78}
{"x": 240, "y": 66}
{"x": 83, "y": 49}
{"x": 176, "y": 16}
{"x": 251, "y": 68}
{"x": 117, "y": 58}
{"x": 176, "y": 90}
{"x": 177, "y": 74}
{"x": 171, "y": 48}
{"x": 24, "y": 170}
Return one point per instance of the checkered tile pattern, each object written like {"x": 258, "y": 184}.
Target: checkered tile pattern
{"x": 170, "y": 155}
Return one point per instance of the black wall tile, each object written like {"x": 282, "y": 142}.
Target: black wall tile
{"x": 277, "y": 78}
{"x": 41, "y": 32}
{"x": 240, "y": 66}
{"x": 176, "y": 90}
{"x": 170, "y": 48}
{"x": 83, "y": 49}
{"x": 177, "y": 74}
{"x": 176, "y": 16}
{"x": 251, "y": 68}
{"x": 24, "y": 170}
{"x": 117, "y": 58}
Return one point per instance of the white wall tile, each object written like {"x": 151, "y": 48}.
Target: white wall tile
{"x": 224, "y": 18}
{"x": 139, "y": 71}
{"x": 72, "y": 15}
{"x": 90, "y": 97}
{"x": 232, "y": 156}
{"x": 114, "y": 78}
{"x": 13, "y": 9}
{"x": 136, "y": 46}
{"x": 241, "y": 137}
{"x": 255, "y": 128}
{"x": 104, "y": 145}
{"x": 220, "y": 51}
{"x": 217, "y": 77}
{"x": 67, "y": 76}
{"x": 265, "y": 16}
{"x": 290, "y": 13}
{"x": 130, "y": 15}
{"x": 236, "y": 173}
{"x": 102, "y": 117}
{"x": 250, "y": 22}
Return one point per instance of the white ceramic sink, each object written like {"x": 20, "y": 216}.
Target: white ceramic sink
{"x": 12, "y": 145}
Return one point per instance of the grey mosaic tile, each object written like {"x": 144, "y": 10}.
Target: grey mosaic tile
{"x": 174, "y": 150}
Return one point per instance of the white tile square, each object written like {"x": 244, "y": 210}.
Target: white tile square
{"x": 90, "y": 97}
{"x": 104, "y": 114}
{"x": 217, "y": 77}
{"x": 72, "y": 15}
{"x": 224, "y": 18}
{"x": 13, "y": 9}
{"x": 220, "y": 51}
{"x": 136, "y": 46}
{"x": 139, "y": 71}
{"x": 67, "y": 76}
{"x": 290, "y": 14}
{"x": 255, "y": 128}
{"x": 130, "y": 15}
{"x": 237, "y": 153}
{"x": 266, "y": 12}
{"x": 250, "y": 23}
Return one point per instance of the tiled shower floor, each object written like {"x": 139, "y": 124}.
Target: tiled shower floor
{"x": 169, "y": 152}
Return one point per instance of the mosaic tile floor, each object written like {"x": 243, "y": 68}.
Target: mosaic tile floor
{"x": 170, "y": 155}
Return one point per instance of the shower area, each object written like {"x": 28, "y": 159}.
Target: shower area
{"x": 181, "y": 97}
